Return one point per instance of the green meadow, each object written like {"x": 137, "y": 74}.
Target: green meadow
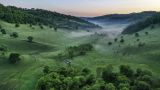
{"x": 48, "y": 43}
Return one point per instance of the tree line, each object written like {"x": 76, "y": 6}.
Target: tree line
{"x": 33, "y": 16}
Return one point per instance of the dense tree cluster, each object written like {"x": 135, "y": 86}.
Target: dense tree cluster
{"x": 16, "y": 15}
{"x": 72, "y": 78}
{"x": 74, "y": 51}
{"x": 155, "y": 19}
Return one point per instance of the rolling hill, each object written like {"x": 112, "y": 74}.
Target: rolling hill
{"x": 138, "y": 26}
{"x": 33, "y": 16}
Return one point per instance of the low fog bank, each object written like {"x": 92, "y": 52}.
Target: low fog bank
{"x": 111, "y": 29}
{"x": 80, "y": 34}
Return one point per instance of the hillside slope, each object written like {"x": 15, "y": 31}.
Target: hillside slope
{"x": 13, "y": 14}
{"x": 138, "y": 26}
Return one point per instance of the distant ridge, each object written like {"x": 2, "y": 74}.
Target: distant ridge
{"x": 124, "y": 17}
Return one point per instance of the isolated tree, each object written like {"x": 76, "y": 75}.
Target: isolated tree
{"x": 17, "y": 25}
{"x": 136, "y": 34}
{"x": 14, "y": 58}
{"x": 146, "y": 33}
{"x": 152, "y": 26}
{"x": 122, "y": 40}
{"x": 30, "y": 25}
{"x": 50, "y": 26}
{"x": 30, "y": 39}
{"x": 115, "y": 39}
{"x": 141, "y": 44}
{"x": 138, "y": 40}
{"x": 3, "y": 31}
{"x": 55, "y": 29}
{"x": 41, "y": 27}
{"x": 14, "y": 34}
{"x": 109, "y": 43}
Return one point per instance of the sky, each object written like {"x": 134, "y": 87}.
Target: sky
{"x": 89, "y": 8}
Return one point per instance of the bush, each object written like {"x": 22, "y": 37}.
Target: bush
{"x": 17, "y": 25}
{"x": 30, "y": 39}
{"x": 146, "y": 33}
{"x": 122, "y": 40}
{"x": 14, "y": 58}
{"x": 136, "y": 34}
{"x": 3, "y": 31}
{"x": 14, "y": 34}
{"x": 109, "y": 43}
{"x": 115, "y": 39}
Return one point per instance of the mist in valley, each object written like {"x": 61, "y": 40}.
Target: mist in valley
{"x": 109, "y": 29}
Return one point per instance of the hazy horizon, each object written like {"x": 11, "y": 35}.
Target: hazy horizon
{"x": 88, "y": 8}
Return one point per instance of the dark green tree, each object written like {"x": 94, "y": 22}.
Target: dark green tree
{"x": 30, "y": 39}
{"x": 17, "y": 25}
{"x": 126, "y": 70}
{"x": 14, "y": 58}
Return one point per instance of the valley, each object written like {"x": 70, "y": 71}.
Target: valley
{"x": 91, "y": 48}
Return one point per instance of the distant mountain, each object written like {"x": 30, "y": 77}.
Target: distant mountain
{"x": 132, "y": 17}
{"x": 13, "y": 14}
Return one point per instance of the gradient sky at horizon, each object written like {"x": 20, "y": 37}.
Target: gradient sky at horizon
{"x": 88, "y": 7}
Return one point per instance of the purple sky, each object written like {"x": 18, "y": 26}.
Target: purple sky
{"x": 88, "y": 7}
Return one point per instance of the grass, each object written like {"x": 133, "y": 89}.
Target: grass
{"x": 48, "y": 43}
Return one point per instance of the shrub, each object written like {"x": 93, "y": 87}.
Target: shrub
{"x": 136, "y": 34}
{"x": 109, "y": 43}
{"x": 3, "y": 31}
{"x": 146, "y": 33}
{"x": 122, "y": 40}
{"x": 30, "y": 39}
{"x": 55, "y": 29}
{"x": 14, "y": 58}
{"x": 115, "y": 39}
{"x": 14, "y": 34}
{"x": 17, "y": 25}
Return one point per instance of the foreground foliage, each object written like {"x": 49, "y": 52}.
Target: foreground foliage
{"x": 71, "y": 78}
